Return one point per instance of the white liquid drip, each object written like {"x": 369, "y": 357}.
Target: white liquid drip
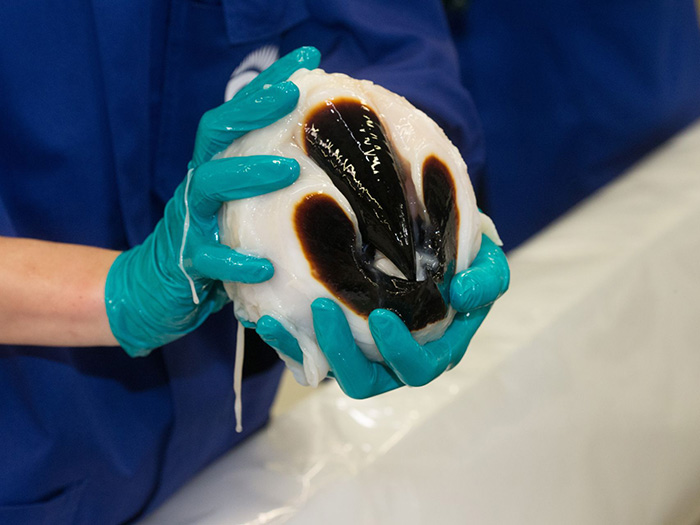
{"x": 238, "y": 376}
{"x": 185, "y": 229}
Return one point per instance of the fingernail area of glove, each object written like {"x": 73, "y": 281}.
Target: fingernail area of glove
{"x": 267, "y": 330}
{"x": 286, "y": 170}
{"x": 247, "y": 324}
{"x": 274, "y": 95}
{"x": 323, "y": 307}
{"x": 305, "y": 56}
{"x": 254, "y": 270}
{"x": 267, "y": 173}
{"x": 466, "y": 292}
{"x": 382, "y": 324}
{"x": 325, "y": 313}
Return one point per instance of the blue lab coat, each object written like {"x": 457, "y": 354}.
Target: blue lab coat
{"x": 99, "y": 103}
{"x": 570, "y": 94}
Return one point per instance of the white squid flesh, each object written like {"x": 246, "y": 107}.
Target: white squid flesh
{"x": 382, "y": 215}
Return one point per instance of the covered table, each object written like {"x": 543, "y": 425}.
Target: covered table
{"x": 577, "y": 402}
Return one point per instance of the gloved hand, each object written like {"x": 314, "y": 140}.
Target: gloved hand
{"x": 166, "y": 287}
{"x": 472, "y": 292}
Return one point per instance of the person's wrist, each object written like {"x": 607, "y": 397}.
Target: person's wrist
{"x": 149, "y": 301}
{"x": 124, "y": 313}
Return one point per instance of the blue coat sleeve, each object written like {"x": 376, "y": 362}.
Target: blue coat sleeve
{"x": 570, "y": 94}
{"x": 6, "y": 228}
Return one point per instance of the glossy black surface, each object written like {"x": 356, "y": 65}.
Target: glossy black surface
{"x": 347, "y": 140}
{"x": 329, "y": 242}
{"x": 439, "y": 196}
{"x": 340, "y": 137}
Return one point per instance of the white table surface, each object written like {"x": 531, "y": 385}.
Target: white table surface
{"x": 578, "y": 401}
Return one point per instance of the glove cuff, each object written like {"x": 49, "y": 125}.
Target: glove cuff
{"x": 125, "y": 317}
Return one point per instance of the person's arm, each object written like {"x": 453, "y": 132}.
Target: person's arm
{"x": 53, "y": 293}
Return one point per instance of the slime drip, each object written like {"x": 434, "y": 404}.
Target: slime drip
{"x": 238, "y": 376}
{"x": 185, "y": 229}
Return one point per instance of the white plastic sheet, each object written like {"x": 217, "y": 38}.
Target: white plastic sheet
{"x": 577, "y": 402}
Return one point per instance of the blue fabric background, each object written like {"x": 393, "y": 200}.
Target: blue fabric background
{"x": 100, "y": 104}
{"x": 570, "y": 94}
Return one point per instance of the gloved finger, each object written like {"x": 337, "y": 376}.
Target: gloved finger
{"x": 414, "y": 364}
{"x": 246, "y": 323}
{"x": 221, "y": 180}
{"x": 357, "y": 376}
{"x": 220, "y": 126}
{"x": 307, "y": 57}
{"x": 274, "y": 334}
{"x": 221, "y": 263}
{"x": 484, "y": 281}
{"x": 458, "y": 335}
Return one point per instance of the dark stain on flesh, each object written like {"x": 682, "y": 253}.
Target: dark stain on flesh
{"x": 347, "y": 140}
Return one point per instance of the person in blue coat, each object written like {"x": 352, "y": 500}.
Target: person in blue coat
{"x": 117, "y": 352}
{"x": 570, "y": 94}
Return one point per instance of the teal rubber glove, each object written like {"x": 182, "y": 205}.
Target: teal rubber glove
{"x": 167, "y": 286}
{"x": 472, "y": 293}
